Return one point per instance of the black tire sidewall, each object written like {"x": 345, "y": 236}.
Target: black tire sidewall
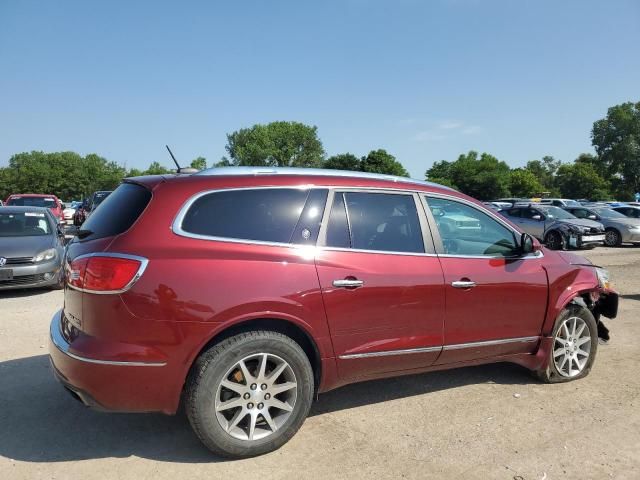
{"x": 558, "y": 237}
{"x": 583, "y": 313}
{"x": 618, "y": 238}
{"x": 201, "y": 397}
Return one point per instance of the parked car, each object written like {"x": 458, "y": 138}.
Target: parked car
{"x": 631, "y": 211}
{"x": 511, "y": 201}
{"x": 31, "y": 248}
{"x": 560, "y": 202}
{"x": 557, "y": 228}
{"x": 619, "y": 228}
{"x": 69, "y": 211}
{"x": 88, "y": 206}
{"x": 38, "y": 200}
{"x": 242, "y": 293}
{"x": 497, "y": 206}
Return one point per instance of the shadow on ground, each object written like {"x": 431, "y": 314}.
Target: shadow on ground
{"x": 42, "y": 423}
{"x": 23, "y": 292}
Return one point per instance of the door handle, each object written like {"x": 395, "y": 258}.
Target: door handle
{"x": 348, "y": 283}
{"x": 463, "y": 284}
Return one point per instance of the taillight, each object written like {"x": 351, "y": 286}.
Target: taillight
{"x": 102, "y": 273}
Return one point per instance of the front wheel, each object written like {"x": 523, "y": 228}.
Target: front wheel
{"x": 575, "y": 342}
{"x": 249, "y": 394}
{"x": 554, "y": 241}
{"x": 612, "y": 238}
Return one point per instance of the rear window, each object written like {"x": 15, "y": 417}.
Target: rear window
{"x": 48, "y": 202}
{"x": 118, "y": 211}
{"x": 267, "y": 215}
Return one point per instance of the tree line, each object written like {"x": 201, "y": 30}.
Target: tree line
{"x": 613, "y": 171}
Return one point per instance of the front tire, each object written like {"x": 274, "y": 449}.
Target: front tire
{"x": 612, "y": 238}
{"x": 554, "y": 241}
{"x": 249, "y": 394}
{"x": 575, "y": 343}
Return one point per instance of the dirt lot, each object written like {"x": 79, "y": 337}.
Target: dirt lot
{"x": 473, "y": 423}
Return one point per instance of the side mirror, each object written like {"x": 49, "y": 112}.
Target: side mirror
{"x": 60, "y": 229}
{"x": 592, "y": 217}
{"x": 537, "y": 217}
{"x": 528, "y": 244}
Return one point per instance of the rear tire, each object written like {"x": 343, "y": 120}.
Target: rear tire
{"x": 612, "y": 238}
{"x": 574, "y": 348}
{"x": 249, "y": 394}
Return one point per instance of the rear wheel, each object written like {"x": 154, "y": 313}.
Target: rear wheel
{"x": 612, "y": 238}
{"x": 554, "y": 241}
{"x": 575, "y": 343}
{"x": 249, "y": 394}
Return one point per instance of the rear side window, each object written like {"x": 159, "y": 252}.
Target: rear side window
{"x": 375, "y": 221}
{"x": 266, "y": 215}
{"x": 118, "y": 211}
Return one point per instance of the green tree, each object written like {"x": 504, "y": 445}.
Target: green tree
{"x": 200, "y": 163}
{"x": 616, "y": 139}
{"x": 523, "y": 183}
{"x": 380, "y": 161}
{"x": 545, "y": 170}
{"x": 277, "y": 144}
{"x": 343, "y": 161}
{"x": 581, "y": 180}
{"x": 156, "y": 169}
{"x": 441, "y": 172}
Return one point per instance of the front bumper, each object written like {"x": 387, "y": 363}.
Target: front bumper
{"x": 109, "y": 382}
{"x": 32, "y": 276}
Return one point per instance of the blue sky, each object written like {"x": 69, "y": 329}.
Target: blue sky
{"x": 426, "y": 80}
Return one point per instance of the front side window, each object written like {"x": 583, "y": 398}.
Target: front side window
{"x": 375, "y": 221}
{"x": 267, "y": 215}
{"x": 466, "y": 230}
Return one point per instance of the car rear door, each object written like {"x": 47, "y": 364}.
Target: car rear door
{"x": 381, "y": 282}
{"x": 495, "y": 299}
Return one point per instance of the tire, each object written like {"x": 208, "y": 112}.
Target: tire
{"x": 612, "y": 238}
{"x": 60, "y": 283}
{"x": 554, "y": 241}
{"x": 206, "y": 395}
{"x": 560, "y": 370}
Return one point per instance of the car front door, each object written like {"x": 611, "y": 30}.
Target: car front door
{"x": 533, "y": 222}
{"x": 381, "y": 282}
{"x": 495, "y": 298}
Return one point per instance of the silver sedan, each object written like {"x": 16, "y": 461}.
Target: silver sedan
{"x": 619, "y": 229}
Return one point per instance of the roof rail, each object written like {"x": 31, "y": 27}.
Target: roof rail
{"x": 255, "y": 171}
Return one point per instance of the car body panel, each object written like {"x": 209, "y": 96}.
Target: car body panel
{"x": 196, "y": 289}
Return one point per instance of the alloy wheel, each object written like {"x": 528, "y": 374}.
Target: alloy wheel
{"x": 256, "y": 396}
{"x": 554, "y": 242}
{"x": 572, "y": 347}
{"x": 611, "y": 238}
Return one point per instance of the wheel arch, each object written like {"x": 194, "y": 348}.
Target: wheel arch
{"x": 269, "y": 323}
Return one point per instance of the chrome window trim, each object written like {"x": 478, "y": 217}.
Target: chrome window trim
{"x": 143, "y": 266}
{"x": 176, "y": 225}
{"x": 61, "y": 344}
{"x": 457, "y": 346}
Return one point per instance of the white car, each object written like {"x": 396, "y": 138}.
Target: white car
{"x": 69, "y": 212}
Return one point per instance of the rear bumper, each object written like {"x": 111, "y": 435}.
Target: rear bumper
{"x": 110, "y": 383}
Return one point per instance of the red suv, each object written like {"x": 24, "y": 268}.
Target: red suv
{"x": 241, "y": 293}
{"x": 38, "y": 200}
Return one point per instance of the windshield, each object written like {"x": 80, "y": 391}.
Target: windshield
{"x": 24, "y": 224}
{"x": 49, "y": 202}
{"x": 556, "y": 213}
{"x": 572, "y": 203}
{"x": 608, "y": 213}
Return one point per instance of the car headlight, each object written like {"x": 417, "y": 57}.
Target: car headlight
{"x": 603, "y": 278}
{"x": 49, "y": 254}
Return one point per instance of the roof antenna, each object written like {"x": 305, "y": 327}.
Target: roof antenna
{"x": 180, "y": 169}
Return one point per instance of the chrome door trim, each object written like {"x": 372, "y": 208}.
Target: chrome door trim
{"x": 456, "y": 346}
{"x": 489, "y": 343}
{"x": 388, "y": 353}
{"x": 463, "y": 284}
{"x": 347, "y": 283}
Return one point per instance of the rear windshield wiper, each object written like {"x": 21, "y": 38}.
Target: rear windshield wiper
{"x": 83, "y": 233}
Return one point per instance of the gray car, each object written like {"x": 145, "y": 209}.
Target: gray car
{"x": 555, "y": 227}
{"x": 31, "y": 248}
{"x": 619, "y": 228}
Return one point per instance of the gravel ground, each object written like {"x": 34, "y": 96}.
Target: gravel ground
{"x": 483, "y": 422}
